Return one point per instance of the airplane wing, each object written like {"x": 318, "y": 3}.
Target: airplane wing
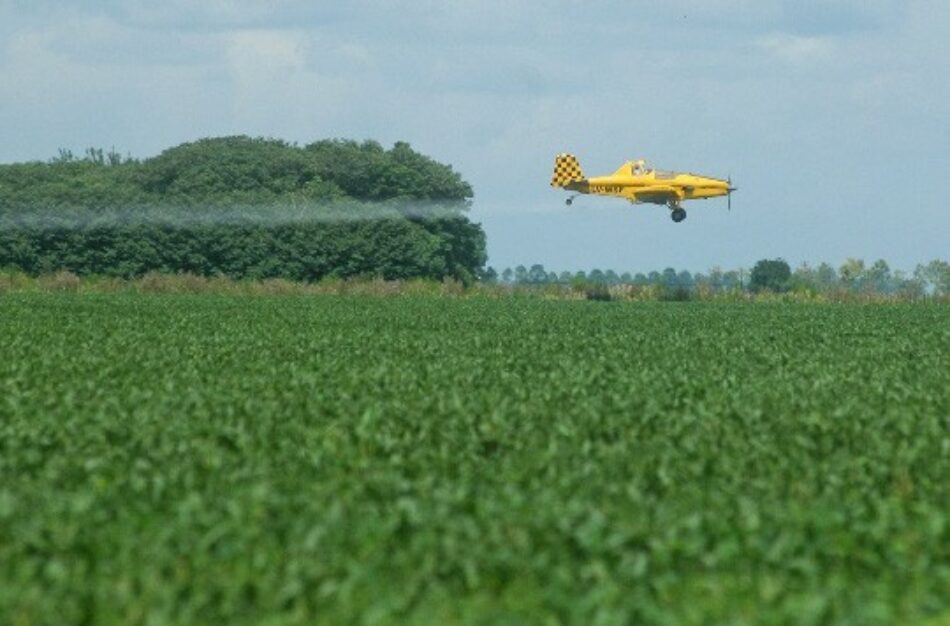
{"x": 658, "y": 194}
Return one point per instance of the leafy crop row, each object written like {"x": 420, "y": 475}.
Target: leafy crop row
{"x": 205, "y": 459}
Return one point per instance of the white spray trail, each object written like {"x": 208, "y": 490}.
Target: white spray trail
{"x": 278, "y": 215}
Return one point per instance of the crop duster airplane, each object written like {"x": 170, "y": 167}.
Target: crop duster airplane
{"x": 637, "y": 182}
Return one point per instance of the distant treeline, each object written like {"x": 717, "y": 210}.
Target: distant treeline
{"x": 244, "y": 208}
{"x": 774, "y": 275}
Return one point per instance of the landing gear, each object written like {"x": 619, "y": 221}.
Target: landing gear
{"x": 678, "y": 214}
{"x": 569, "y": 201}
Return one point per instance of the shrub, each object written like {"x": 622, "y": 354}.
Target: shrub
{"x": 598, "y": 292}
{"x": 60, "y": 281}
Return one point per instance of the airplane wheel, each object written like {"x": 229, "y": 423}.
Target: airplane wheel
{"x": 678, "y": 215}
{"x": 569, "y": 201}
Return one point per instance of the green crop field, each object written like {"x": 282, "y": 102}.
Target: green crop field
{"x": 360, "y": 460}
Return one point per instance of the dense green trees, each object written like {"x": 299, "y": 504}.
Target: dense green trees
{"x": 243, "y": 207}
{"x": 770, "y": 275}
{"x": 852, "y": 277}
{"x": 394, "y": 248}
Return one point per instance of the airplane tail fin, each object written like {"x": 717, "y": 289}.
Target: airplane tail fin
{"x": 566, "y": 170}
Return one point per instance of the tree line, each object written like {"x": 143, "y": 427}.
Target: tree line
{"x": 263, "y": 208}
{"x": 775, "y": 275}
{"x": 242, "y": 207}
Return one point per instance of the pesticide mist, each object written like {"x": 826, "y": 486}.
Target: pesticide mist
{"x": 185, "y": 217}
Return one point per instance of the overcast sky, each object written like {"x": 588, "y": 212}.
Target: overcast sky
{"x": 832, "y": 116}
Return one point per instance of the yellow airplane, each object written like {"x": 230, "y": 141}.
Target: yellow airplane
{"x": 638, "y": 183}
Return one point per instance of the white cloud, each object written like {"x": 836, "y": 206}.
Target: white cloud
{"x": 279, "y": 86}
{"x": 269, "y": 53}
{"x": 357, "y": 54}
{"x": 797, "y": 49}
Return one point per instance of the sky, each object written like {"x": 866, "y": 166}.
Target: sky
{"x": 831, "y": 116}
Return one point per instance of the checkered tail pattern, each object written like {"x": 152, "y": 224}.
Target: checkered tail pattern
{"x": 566, "y": 170}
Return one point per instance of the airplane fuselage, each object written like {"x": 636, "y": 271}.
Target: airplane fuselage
{"x": 654, "y": 187}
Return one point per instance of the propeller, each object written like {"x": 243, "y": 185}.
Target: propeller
{"x": 730, "y": 190}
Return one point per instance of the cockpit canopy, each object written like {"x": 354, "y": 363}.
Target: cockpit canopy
{"x": 641, "y": 168}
